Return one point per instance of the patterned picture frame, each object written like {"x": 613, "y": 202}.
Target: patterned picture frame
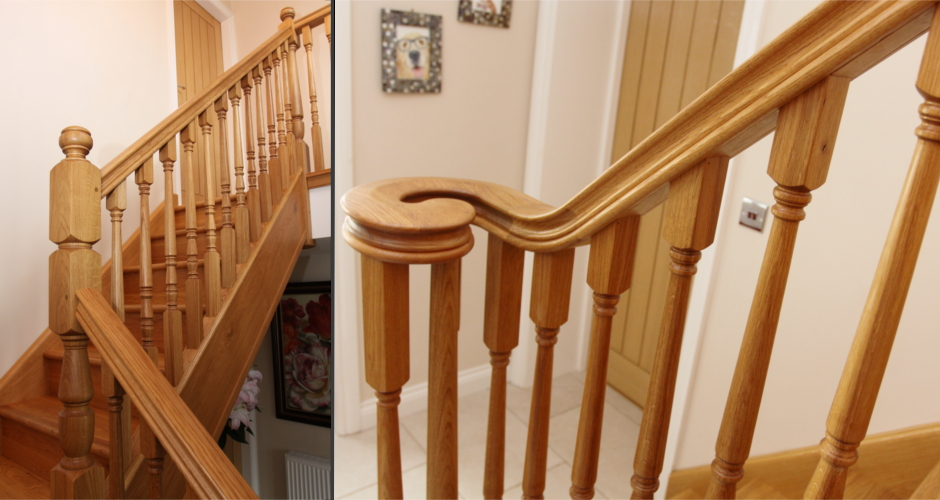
{"x": 411, "y": 52}
{"x": 485, "y": 12}
{"x": 301, "y": 340}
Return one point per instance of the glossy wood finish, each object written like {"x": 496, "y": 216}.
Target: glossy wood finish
{"x": 855, "y": 398}
{"x": 280, "y": 105}
{"x": 205, "y": 467}
{"x": 254, "y": 197}
{"x": 74, "y": 225}
{"x": 610, "y": 269}
{"x": 501, "y": 315}
{"x": 551, "y": 295}
{"x": 385, "y": 326}
{"x": 691, "y": 219}
{"x": 154, "y": 455}
{"x": 227, "y": 234}
{"x": 193, "y": 284}
{"x": 144, "y": 178}
{"x": 118, "y": 412}
{"x": 442, "y": 380}
{"x": 212, "y": 264}
{"x": 172, "y": 316}
{"x": 316, "y": 135}
{"x": 799, "y": 163}
{"x": 242, "y": 236}
{"x": 274, "y": 164}
{"x": 264, "y": 179}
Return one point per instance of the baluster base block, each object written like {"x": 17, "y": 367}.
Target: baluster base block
{"x": 84, "y": 483}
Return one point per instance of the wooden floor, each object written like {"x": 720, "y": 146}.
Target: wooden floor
{"x": 890, "y": 465}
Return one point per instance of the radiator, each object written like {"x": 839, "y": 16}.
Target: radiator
{"x": 308, "y": 477}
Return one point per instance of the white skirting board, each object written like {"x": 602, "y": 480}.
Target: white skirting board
{"x": 308, "y": 477}
{"x": 415, "y": 398}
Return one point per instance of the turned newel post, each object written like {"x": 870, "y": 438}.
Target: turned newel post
{"x": 74, "y": 225}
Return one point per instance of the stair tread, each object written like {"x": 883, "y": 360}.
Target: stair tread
{"x": 159, "y": 266}
{"x": 94, "y": 356}
{"x": 201, "y": 204}
{"x": 42, "y": 415}
{"x": 17, "y": 482}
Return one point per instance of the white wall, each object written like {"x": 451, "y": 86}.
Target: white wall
{"x": 836, "y": 253}
{"x": 107, "y": 66}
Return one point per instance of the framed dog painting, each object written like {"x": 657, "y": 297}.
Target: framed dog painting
{"x": 411, "y": 52}
{"x": 302, "y": 341}
{"x": 486, "y": 12}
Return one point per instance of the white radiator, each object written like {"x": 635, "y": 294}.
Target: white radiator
{"x": 308, "y": 477}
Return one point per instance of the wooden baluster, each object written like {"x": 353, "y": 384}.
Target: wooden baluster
{"x": 316, "y": 135}
{"x": 299, "y": 151}
{"x": 861, "y": 378}
{"x": 154, "y": 454}
{"x": 385, "y": 327}
{"x": 144, "y": 178}
{"x": 287, "y": 154}
{"x": 690, "y": 221}
{"x": 212, "y": 266}
{"x": 274, "y": 164}
{"x": 227, "y": 234}
{"x": 119, "y": 423}
{"x": 442, "y": 380}
{"x": 172, "y": 317}
{"x": 282, "y": 151}
{"x": 242, "y": 236}
{"x": 254, "y": 197}
{"x": 610, "y": 269}
{"x": 264, "y": 180}
{"x": 193, "y": 285}
{"x": 799, "y": 162}
{"x": 551, "y": 294}
{"x": 504, "y": 264}
{"x": 74, "y": 225}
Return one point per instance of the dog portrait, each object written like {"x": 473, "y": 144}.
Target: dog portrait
{"x": 486, "y": 12}
{"x": 411, "y": 52}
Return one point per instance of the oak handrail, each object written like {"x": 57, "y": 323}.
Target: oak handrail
{"x": 124, "y": 164}
{"x": 837, "y": 38}
{"x": 206, "y": 468}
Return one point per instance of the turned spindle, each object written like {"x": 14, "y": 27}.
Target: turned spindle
{"x": 300, "y": 151}
{"x": 283, "y": 154}
{"x": 242, "y": 236}
{"x": 442, "y": 380}
{"x": 74, "y": 225}
{"x": 551, "y": 295}
{"x": 274, "y": 164}
{"x": 227, "y": 233}
{"x": 172, "y": 317}
{"x": 143, "y": 176}
{"x": 264, "y": 179}
{"x": 385, "y": 330}
{"x": 610, "y": 268}
{"x": 861, "y": 379}
{"x": 503, "y": 303}
{"x": 154, "y": 454}
{"x": 690, "y": 222}
{"x": 799, "y": 163}
{"x": 193, "y": 285}
{"x": 316, "y": 135}
{"x": 254, "y": 197}
{"x": 212, "y": 265}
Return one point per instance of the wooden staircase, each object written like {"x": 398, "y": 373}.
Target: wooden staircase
{"x": 163, "y": 445}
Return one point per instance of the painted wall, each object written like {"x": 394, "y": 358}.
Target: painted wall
{"x": 107, "y": 66}
{"x": 836, "y": 254}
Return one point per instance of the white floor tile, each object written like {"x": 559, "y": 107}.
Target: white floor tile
{"x": 355, "y": 462}
{"x": 566, "y": 394}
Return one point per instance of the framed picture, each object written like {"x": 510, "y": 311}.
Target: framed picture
{"x": 411, "y": 52}
{"x": 487, "y": 12}
{"x": 302, "y": 343}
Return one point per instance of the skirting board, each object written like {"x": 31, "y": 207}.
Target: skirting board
{"x": 890, "y": 465}
{"x": 415, "y": 398}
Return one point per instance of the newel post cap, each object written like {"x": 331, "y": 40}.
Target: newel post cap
{"x": 75, "y": 141}
{"x": 287, "y": 12}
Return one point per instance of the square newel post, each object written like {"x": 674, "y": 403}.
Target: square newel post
{"x": 74, "y": 225}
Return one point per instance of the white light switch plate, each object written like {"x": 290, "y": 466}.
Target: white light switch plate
{"x": 753, "y": 214}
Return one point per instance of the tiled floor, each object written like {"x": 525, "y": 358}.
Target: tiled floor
{"x": 355, "y": 455}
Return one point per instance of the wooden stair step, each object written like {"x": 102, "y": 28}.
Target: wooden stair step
{"x": 18, "y": 482}
{"x": 94, "y": 357}
{"x": 30, "y": 433}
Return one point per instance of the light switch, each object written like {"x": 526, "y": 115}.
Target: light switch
{"x": 753, "y": 214}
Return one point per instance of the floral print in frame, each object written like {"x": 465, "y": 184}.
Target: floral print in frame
{"x": 302, "y": 343}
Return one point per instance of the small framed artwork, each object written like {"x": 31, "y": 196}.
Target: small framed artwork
{"x": 302, "y": 343}
{"x": 411, "y": 52}
{"x": 487, "y": 12}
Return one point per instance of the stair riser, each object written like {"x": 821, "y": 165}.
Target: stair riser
{"x": 132, "y": 321}
{"x": 158, "y": 247}
{"x": 201, "y": 216}
{"x": 132, "y": 286}
{"x": 33, "y": 450}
